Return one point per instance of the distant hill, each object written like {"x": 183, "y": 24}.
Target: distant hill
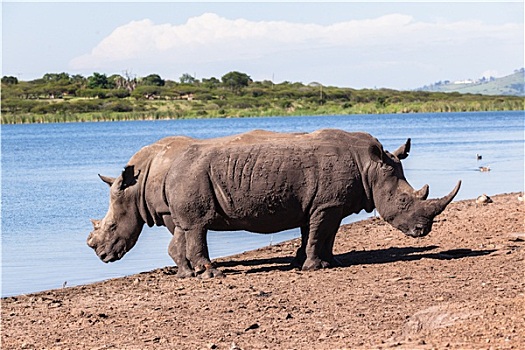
{"x": 512, "y": 85}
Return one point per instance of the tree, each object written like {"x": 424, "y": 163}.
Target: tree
{"x": 56, "y": 77}
{"x": 127, "y": 82}
{"x": 78, "y": 79}
{"x": 97, "y": 80}
{"x": 211, "y": 83}
{"x": 187, "y": 79}
{"x": 235, "y": 80}
{"x": 153, "y": 80}
{"x": 9, "y": 80}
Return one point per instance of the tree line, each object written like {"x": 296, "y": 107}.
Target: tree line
{"x": 65, "y": 97}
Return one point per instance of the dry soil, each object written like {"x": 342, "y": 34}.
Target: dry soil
{"x": 461, "y": 287}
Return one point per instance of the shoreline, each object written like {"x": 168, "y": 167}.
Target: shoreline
{"x": 366, "y": 109}
{"x": 455, "y": 288}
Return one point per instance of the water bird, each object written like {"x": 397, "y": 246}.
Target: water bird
{"x": 520, "y": 197}
{"x": 483, "y": 199}
{"x": 484, "y": 168}
{"x": 478, "y": 156}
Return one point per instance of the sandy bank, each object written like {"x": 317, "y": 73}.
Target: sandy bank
{"x": 460, "y": 287}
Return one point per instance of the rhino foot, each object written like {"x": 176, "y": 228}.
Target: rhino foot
{"x": 331, "y": 262}
{"x": 317, "y": 264}
{"x": 184, "y": 273}
{"x": 297, "y": 262}
{"x": 211, "y": 273}
{"x": 312, "y": 264}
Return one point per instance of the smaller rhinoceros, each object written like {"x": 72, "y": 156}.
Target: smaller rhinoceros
{"x": 137, "y": 196}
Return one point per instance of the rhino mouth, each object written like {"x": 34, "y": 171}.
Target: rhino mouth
{"x": 418, "y": 231}
{"x": 108, "y": 257}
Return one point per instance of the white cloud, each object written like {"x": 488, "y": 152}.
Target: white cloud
{"x": 210, "y": 38}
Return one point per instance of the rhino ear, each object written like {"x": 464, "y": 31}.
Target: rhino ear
{"x": 128, "y": 177}
{"x": 403, "y": 150}
{"x": 376, "y": 153}
{"x": 107, "y": 179}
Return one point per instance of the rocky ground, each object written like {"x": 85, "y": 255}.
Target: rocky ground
{"x": 461, "y": 287}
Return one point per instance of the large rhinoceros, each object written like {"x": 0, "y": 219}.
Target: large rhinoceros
{"x": 261, "y": 182}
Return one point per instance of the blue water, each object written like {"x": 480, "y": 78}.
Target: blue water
{"x": 50, "y": 187}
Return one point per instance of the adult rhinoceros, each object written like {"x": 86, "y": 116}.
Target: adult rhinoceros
{"x": 265, "y": 182}
{"x": 137, "y": 196}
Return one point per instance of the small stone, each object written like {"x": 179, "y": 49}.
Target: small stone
{"x": 253, "y": 326}
{"x": 234, "y": 347}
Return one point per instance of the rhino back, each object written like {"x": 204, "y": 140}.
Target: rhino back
{"x": 243, "y": 186}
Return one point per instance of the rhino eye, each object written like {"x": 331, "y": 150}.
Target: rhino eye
{"x": 404, "y": 201}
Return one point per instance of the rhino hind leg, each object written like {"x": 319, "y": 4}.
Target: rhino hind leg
{"x": 323, "y": 226}
{"x": 177, "y": 251}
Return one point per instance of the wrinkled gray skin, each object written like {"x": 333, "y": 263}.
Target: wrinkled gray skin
{"x": 311, "y": 181}
{"x": 261, "y": 182}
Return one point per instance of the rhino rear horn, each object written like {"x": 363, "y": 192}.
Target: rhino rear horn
{"x": 403, "y": 150}
{"x": 438, "y": 205}
{"x": 422, "y": 193}
{"x": 96, "y": 223}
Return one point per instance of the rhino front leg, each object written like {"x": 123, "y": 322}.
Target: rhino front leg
{"x": 177, "y": 251}
{"x": 324, "y": 224}
{"x": 300, "y": 256}
{"x": 327, "y": 252}
{"x": 198, "y": 255}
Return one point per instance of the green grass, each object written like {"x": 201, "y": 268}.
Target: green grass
{"x": 188, "y": 111}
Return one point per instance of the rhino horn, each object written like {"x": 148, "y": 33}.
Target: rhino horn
{"x": 107, "y": 179}
{"x": 438, "y": 205}
{"x": 96, "y": 223}
{"x": 422, "y": 193}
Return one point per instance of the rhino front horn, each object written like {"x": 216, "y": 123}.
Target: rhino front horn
{"x": 438, "y": 205}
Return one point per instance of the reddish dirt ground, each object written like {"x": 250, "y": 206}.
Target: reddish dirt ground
{"x": 461, "y": 287}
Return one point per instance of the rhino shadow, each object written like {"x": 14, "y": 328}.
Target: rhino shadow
{"x": 353, "y": 258}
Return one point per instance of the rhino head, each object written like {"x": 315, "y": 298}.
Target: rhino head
{"x": 397, "y": 202}
{"x": 118, "y": 231}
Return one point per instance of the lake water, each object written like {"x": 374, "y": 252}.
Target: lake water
{"x": 50, "y": 187}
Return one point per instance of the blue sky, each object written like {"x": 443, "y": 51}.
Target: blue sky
{"x": 401, "y": 45}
